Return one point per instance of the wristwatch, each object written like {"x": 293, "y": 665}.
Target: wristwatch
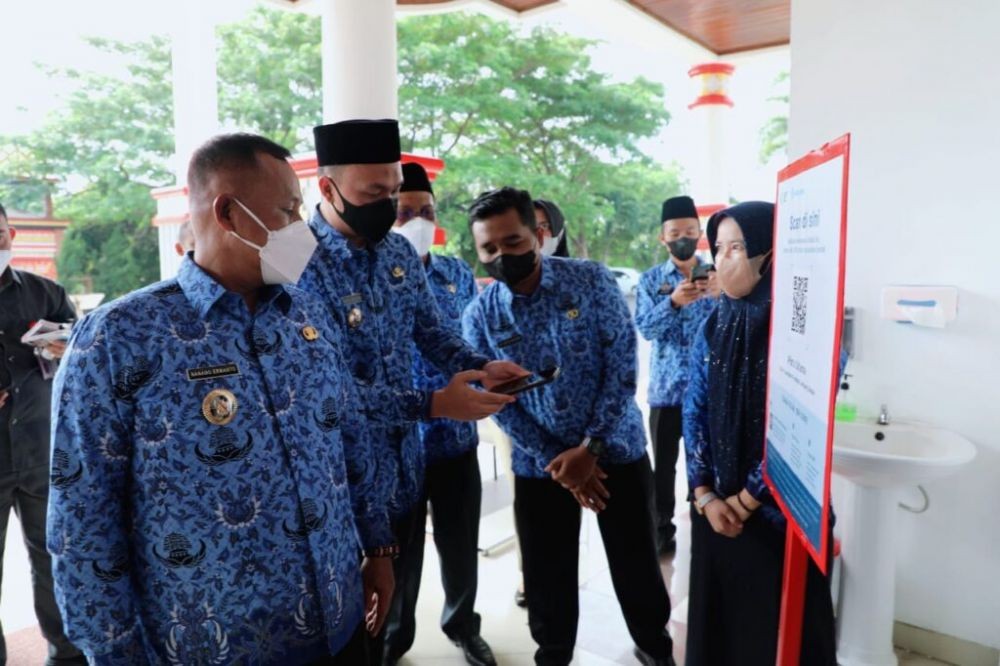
{"x": 703, "y": 501}
{"x": 595, "y": 446}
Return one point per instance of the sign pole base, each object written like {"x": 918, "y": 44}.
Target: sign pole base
{"x": 793, "y": 597}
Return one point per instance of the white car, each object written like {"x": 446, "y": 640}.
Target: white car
{"x": 627, "y": 278}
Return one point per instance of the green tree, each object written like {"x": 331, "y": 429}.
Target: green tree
{"x": 774, "y": 133}
{"x": 101, "y": 153}
{"x": 24, "y": 195}
{"x": 502, "y": 106}
{"x": 270, "y": 76}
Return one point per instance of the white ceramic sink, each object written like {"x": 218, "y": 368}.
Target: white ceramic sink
{"x": 899, "y": 454}
{"x": 879, "y": 461}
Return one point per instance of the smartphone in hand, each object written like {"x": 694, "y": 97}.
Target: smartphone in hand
{"x": 701, "y": 271}
{"x": 532, "y": 381}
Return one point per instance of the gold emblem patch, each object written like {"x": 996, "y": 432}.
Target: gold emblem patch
{"x": 398, "y": 272}
{"x": 354, "y": 317}
{"x": 572, "y": 314}
{"x": 219, "y": 407}
{"x": 310, "y": 333}
{"x": 452, "y": 288}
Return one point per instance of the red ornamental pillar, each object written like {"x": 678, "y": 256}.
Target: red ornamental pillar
{"x": 711, "y": 182}
{"x": 713, "y": 79}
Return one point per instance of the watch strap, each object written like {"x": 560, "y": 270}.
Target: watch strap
{"x": 704, "y": 501}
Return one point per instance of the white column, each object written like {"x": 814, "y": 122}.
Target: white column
{"x": 711, "y": 109}
{"x": 717, "y": 141}
{"x": 709, "y": 173}
{"x": 196, "y": 101}
{"x": 360, "y": 75}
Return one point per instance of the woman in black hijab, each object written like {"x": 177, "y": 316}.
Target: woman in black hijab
{"x": 738, "y": 532}
{"x": 550, "y": 219}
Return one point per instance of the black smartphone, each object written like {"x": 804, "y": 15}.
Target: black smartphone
{"x": 532, "y": 381}
{"x": 701, "y": 271}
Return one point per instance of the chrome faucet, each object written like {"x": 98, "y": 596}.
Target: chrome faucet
{"x": 883, "y": 416}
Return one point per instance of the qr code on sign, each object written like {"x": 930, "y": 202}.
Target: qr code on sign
{"x": 800, "y": 304}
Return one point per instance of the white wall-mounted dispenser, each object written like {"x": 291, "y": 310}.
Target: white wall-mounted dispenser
{"x": 933, "y": 307}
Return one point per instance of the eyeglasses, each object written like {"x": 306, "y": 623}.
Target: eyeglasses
{"x": 407, "y": 214}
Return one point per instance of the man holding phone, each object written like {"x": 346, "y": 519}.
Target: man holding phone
{"x": 674, "y": 299}
{"x": 452, "y": 484}
{"x": 578, "y": 439}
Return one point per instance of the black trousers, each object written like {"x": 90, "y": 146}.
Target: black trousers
{"x": 548, "y": 522}
{"x": 665, "y": 429}
{"x": 27, "y": 492}
{"x": 735, "y": 599}
{"x": 454, "y": 490}
{"x": 355, "y": 653}
{"x": 409, "y": 537}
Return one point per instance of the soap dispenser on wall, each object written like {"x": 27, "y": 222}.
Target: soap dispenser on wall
{"x": 845, "y": 410}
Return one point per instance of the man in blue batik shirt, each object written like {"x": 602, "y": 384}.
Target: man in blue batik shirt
{"x": 452, "y": 484}
{"x": 674, "y": 300}
{"x": 376, "y": 289}
{"x": 207, "y": 453}
{"x": 578, "y": 441}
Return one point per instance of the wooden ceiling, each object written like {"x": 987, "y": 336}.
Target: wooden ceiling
{"x": 516, "y": 5}
{"x": 721, "y": 26}
{"x": 725, "y": 26}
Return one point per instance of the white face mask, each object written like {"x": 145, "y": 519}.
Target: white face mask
{"x": 550, "y": 245}
{"x": 420, "y": 232}
{"x": 5, "y": 257}
{"x": 287, "y": 252}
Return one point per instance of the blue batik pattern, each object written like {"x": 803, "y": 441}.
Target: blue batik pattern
{"x": 387, "y": 287}
{"x": 454, "y": 287}
{"x": 671, "y": 330}
{"x": 698, "y": 441}
{"x": 176, "y": 540}
{"x": 577, "y": 320}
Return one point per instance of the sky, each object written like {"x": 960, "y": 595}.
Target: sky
{"x": 630, "y": 44}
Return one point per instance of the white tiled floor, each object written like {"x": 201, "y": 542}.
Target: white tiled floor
{"x": 602, "y": 638}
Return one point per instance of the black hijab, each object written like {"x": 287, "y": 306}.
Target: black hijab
{"x": 738, "y": 348}
{"x": 557, "y": 224}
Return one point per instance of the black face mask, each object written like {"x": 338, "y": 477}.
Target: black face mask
{"x": 683, "y": 249}
{"x": 371, "y": 221}
{"x": 512, "y": 269}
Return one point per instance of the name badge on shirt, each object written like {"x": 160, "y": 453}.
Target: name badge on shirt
{"x": 213, "y": 372}
{"x": 351, "y": 299}
{"x": 513, "y": 340}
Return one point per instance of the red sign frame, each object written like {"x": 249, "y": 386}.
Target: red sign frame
{"x": 797, "y": 545}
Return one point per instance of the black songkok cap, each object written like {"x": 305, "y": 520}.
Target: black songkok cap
{"x": 415, "y": 179}
{"x": 676, "y": 208}
{"x": 357, "y": 142}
